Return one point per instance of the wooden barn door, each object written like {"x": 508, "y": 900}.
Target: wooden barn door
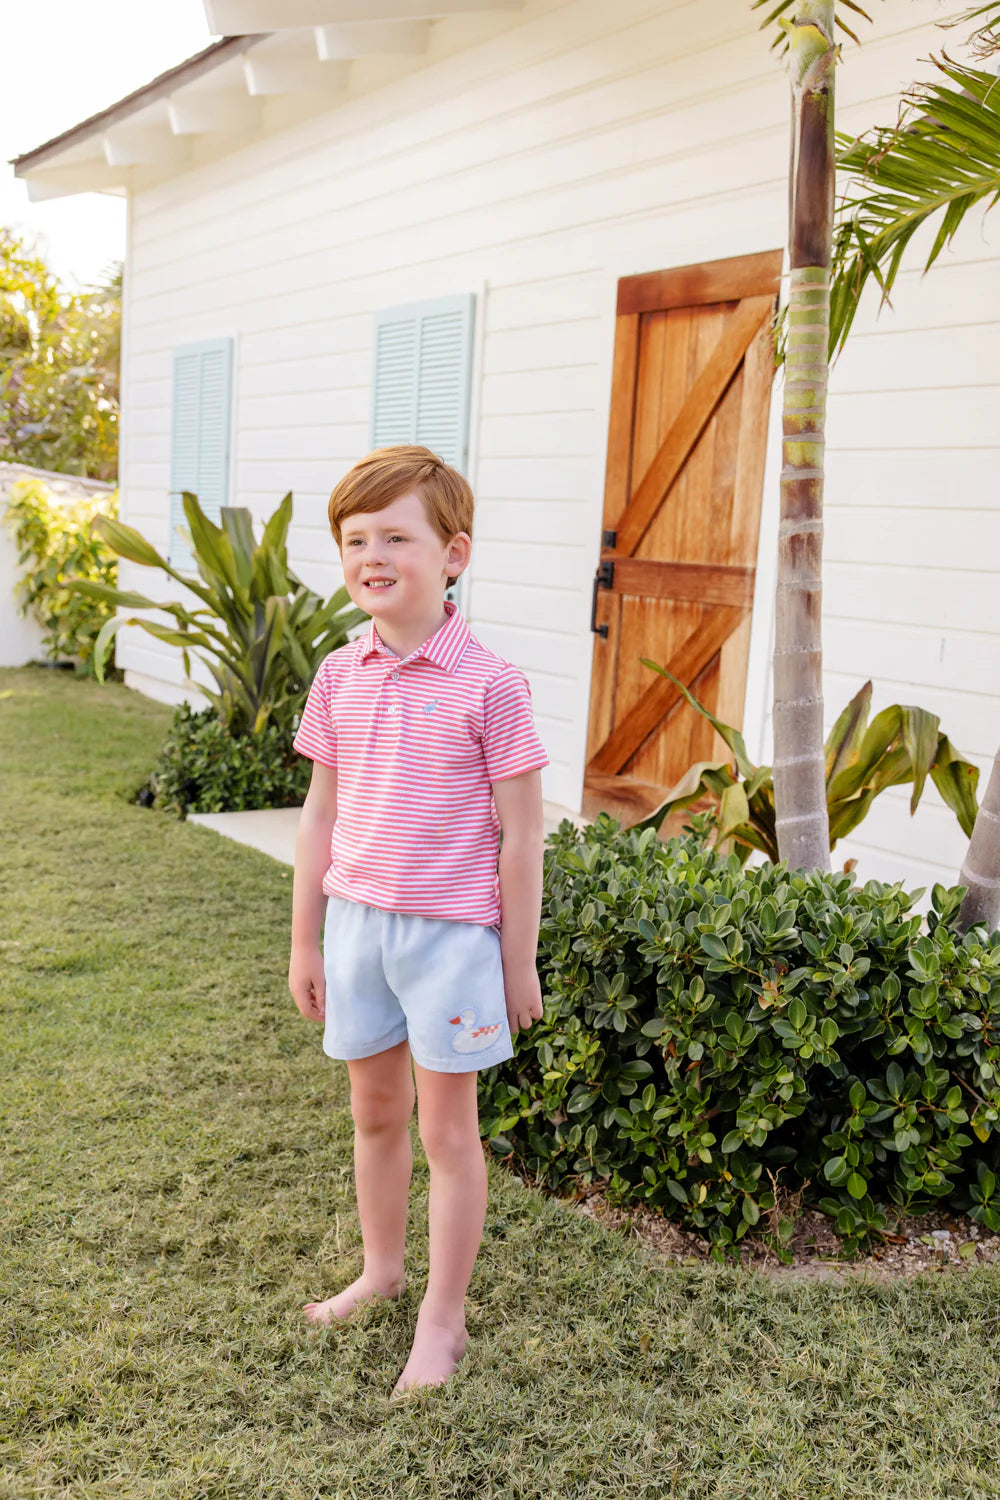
{"x": 689, "y": 412}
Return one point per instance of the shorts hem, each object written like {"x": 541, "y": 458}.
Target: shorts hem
{"x": 356, "y": 1054}
{"x": 471, "y": 1063}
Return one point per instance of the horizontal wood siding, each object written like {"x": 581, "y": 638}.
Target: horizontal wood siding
{"x": 535, "y": 159}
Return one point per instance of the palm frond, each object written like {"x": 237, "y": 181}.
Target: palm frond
{"x": 779, "y": 8}
{"x": 941, "y": 159}
{"x": 985, "y": 39}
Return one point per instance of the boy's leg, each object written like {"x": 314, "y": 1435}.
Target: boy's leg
{"x": 381, "y": 1102}
{"x": 449, "y": 1130}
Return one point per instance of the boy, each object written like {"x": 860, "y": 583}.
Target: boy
{"x": 423, "y": 749}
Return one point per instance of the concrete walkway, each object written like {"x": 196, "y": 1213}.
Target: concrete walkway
{"x": 273, "y": 831}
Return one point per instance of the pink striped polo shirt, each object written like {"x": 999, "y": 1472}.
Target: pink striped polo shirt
{"x": 416, "y": 743}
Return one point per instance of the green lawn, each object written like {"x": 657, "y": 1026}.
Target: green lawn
{"x": 177, "y": 1182}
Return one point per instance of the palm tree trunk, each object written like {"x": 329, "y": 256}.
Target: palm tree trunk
{"x": 981, "y": 868}
{"x": 802, "y": 823}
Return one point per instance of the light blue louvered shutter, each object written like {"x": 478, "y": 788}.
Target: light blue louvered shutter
{"x": 421, "y": 382}
{"x": 199, "y": 451}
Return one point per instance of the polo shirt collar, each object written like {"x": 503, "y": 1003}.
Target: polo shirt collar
{"x": 444, "y": 649}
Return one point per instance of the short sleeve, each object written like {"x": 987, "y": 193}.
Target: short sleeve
{"x": 510, "y": 742}
{"x": 316, "y": 735}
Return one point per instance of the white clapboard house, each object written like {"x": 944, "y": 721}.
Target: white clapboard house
{"x": 545, "y": 238}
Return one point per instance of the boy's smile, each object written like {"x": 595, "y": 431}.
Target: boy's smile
{"x": 396, "y": 568}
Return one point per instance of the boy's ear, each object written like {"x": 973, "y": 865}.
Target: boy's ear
{"x": 458, "y": 553}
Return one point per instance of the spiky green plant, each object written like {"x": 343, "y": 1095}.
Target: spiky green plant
{"x": 258, "y": 629}
{"x": 902, "y": 745}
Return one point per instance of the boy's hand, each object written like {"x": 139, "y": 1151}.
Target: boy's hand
{"x": 524, "y": 998}
{"x": 307, "y": 982}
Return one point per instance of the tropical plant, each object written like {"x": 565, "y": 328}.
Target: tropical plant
{"x": 901, "y": 746}
{"x": 59, "y": 358}
{"x": 713, "y": 1033}
{"x": 259, "y": 630}
{"x": 57, "y": 541}
{"x": 940, "y": 160}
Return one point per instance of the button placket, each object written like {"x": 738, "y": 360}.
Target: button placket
{"x": 392, "y": 677}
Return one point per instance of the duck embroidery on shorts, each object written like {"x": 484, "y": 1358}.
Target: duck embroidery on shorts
{"x": 472, "y": 1038}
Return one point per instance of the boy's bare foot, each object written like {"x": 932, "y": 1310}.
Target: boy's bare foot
{"x": 337, "y": 1309}
{"x": 437, "y": 1349}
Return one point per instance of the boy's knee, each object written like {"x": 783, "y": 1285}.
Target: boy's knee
{"x": 446, "y": 1139}
{"x": 376, "y": 1110}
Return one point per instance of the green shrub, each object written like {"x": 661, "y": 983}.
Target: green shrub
{"x": 203, "y": 768}
{"x": 58, "y": 542}
{"x": 711, "y": 1032}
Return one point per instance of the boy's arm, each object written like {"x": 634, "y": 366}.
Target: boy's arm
{"x": 519, "y": 808}
{"x": 306, "y": 978}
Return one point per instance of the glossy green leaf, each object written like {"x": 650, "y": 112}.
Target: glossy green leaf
{"x": 212, "y": 548}
{"x": 957, "y": 780}
{"x": 237, "y": 526}
{"x": 102, "y": 645}
{"x": 734, "y": 810}
{"x": 129, "y": 543}
{"x": 920, "y": 737}
{"x": 275, "y": 537}
{"x": 845, "y": 736}
{"x": 727, "y": 733}
{"x": 123, "y": 598}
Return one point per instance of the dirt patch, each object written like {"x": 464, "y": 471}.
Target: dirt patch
{"x": 928, "y": 1242}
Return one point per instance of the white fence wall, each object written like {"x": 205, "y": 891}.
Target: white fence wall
{"x": 578, "y": 144}
{"x": 21, "y": 636}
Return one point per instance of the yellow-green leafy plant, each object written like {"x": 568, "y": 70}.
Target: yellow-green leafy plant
{"x": 58, "y": 542}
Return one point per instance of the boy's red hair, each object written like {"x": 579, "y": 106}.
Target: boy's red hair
{"x": 388, "y": 473}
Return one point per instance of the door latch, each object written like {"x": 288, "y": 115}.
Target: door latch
{"x": 603, "y": 579}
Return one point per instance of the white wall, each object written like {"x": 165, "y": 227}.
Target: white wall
{"x": 20, "y": 635}
{"x": 578, "y": 144}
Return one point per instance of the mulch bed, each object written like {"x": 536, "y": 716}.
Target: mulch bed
{"x": 929, "y": 1242}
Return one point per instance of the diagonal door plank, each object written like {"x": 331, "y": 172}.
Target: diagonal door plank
{"x": 687, "y": 662}
{"x": 690, "y": 421}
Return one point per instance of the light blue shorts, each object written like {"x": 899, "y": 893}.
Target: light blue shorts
{"x": 392, "y": 976}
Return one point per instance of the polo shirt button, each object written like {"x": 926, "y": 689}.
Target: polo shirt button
{"x": 395, "y": 676}
{"x": 391, "y": 709}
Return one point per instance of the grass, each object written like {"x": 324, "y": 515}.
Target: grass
{"x": 176, "y": 1182}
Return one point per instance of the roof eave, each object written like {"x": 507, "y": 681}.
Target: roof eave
{"x": 161, "y": 86}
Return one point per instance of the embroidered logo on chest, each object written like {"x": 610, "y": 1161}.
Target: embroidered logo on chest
{"x": 429, "y": 708}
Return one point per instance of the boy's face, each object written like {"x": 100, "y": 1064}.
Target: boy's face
{"x": 396, "y": 566}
